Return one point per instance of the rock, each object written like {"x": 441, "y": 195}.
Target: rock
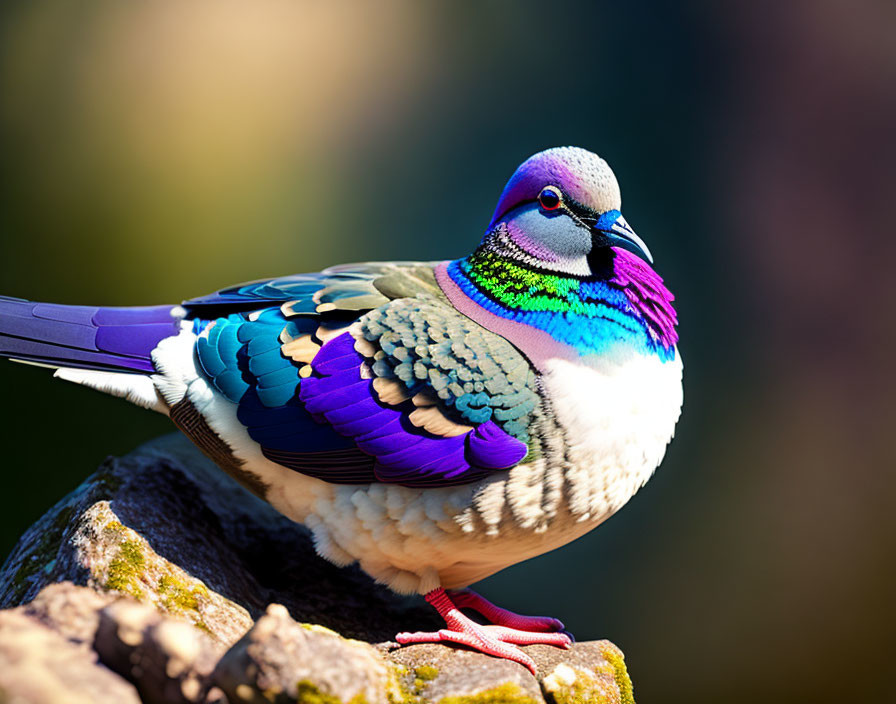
{"x": 165, "y": 526}
{"x": 39, "y": 666}
{"x": 168, "y": 660}
{"x": 593, "y": 672}
{"x": 69, "y": 610}
{"x": 154, "y": 581}
{"x": 280, "y": 660}
{"x": 587, "y": 673}
{"x": 432, "y": 673}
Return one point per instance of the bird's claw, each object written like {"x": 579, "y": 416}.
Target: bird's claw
{"x": 500, "y": 639}
{"x": 475, "y": 638}
{"x": 468, "y": 599}
{"x": 518, "y": 637}
{"x": 502, "y": 634}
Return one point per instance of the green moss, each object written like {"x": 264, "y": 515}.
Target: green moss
{"x": 114, "y": 527}
{"x": 309, "y": 693}
{"x": 132, "y": 551}
{"x": 123, "y": 571}
{"x": 620, "y": 673}
{"x": 402, "y": 692}
{"x": 409, "y": 687}
{"x": 317, "y": 628}
{"x": 135, "y": 565}
{"x": 607, "y": 683}
{"x": 426, "y": 672}
{"x": 507, "y": 693}
{"x": 181, "y": 597}
{"x": 178, "y": 595}
{"x": 585, "y": 690}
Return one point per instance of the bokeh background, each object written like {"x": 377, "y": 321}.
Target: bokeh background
{"x": 160, "y": 150}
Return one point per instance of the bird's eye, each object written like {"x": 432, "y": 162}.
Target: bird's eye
{"x": 550, "y": 198}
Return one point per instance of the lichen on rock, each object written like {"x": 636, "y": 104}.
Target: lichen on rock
{"x": 121, "y": 560}
{"x": 616, "y": 659}
{"x": 604, "y": 681}
{"x": 507, "y": 693}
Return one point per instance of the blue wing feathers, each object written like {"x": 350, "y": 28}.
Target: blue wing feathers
{"x": 231, "y": 384}
{"x": 228, "y": 342}
{"x": 304, "y": 433}
{"x": 209, "y": 360}
{"x": 274, "y": 378}
{"x": 219, "y": 356}
{"x": 266, "y": 361}
{"x": 275, "y": 396}
{"x": 262, "y": 344}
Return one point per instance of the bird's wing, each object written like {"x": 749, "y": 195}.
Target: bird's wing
{"x": 366, "y": 373}
{"x": 349, "y": 287}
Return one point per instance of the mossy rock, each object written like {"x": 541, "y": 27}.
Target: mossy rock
{"x": 507, "y": 693}
{"x": 220, "y": 538}
{"x": 122, "y": 561}
{"x": 603, "y": 681}
{"x": 165, "y": 527}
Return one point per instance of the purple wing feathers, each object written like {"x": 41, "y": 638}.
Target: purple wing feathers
{"x": 404, "y": 454}
{"x": 87, "y": 337}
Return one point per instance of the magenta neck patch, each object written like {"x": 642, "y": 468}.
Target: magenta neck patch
{"x": 647, "y": 294}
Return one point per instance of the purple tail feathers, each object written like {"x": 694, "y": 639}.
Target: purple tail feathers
{"x": 85, "y": 337}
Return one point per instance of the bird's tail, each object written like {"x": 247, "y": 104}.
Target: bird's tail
{"x": 84, "y": 337}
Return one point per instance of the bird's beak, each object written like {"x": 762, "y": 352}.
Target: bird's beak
{"x": 611, "y": 230}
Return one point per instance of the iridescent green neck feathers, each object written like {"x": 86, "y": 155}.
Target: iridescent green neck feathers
{"x": 592, "y": 314}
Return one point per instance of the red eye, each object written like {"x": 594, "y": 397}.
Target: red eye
{"x": 550, "y": 198}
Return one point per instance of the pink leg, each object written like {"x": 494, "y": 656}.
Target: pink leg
{"x": 468, "y": 599}
{"x": 499, "y": 641}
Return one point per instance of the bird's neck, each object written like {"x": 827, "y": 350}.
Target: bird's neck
{"x": 626, "y": 307}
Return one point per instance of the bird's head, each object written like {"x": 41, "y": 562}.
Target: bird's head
{"x": 562, "y": 210}
{"x": 558, "y": 255}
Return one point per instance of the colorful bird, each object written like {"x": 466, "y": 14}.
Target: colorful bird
{"x": 433, "y": 422}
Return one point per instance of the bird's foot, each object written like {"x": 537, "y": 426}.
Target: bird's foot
{"x": 497, "y": 640}
{"x": 468, "y": 599}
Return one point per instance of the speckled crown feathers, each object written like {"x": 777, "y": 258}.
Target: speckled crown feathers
{"x": 582, "y": 175}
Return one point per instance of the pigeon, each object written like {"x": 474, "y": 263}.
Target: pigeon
{"x": 433, "y": 422}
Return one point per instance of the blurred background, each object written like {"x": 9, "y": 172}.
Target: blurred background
{"x": 160, "y": 150}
